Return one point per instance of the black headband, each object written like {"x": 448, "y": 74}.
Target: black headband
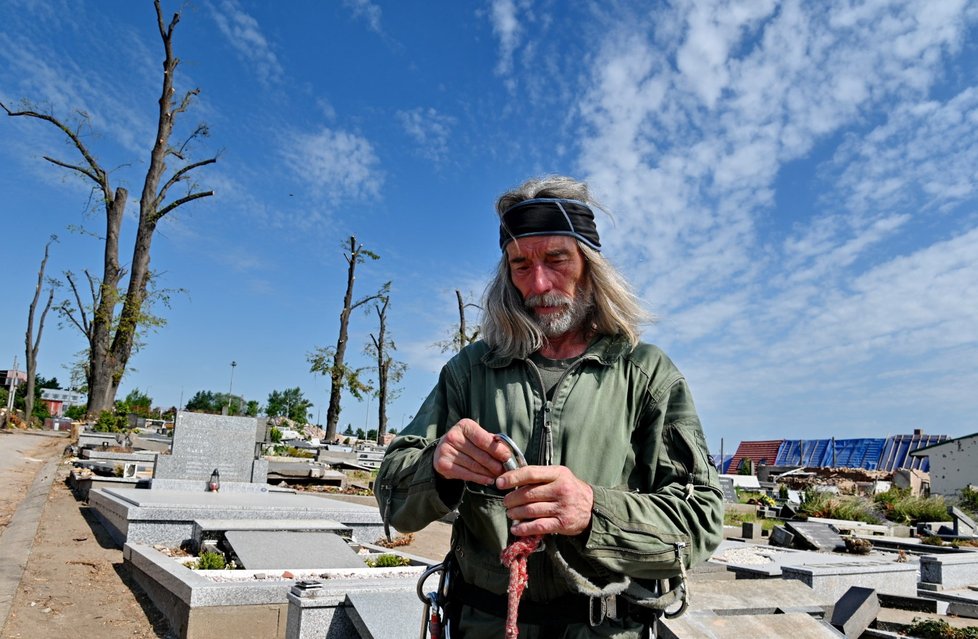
{"x": 549, "y": 216}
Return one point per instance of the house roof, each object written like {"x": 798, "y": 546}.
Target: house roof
{"x": 765, "y": 451}
{"x": 923, "y": 451}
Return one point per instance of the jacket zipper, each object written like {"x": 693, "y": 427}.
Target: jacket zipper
{"x": 546, "y": 454}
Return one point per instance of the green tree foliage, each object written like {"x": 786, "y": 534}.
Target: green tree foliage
{"x": 203, "y": 402}
{"x": 136, "y": 403}
{"x": 216, "y": 403}
{"x": 289, "y": 403}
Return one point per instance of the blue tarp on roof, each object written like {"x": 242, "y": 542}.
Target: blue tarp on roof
{"x": 844, "y": 453}
{"x": 896, "y": 452}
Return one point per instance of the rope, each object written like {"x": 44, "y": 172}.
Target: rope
{"x": 514, "y": 557}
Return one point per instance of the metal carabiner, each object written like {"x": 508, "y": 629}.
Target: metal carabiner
{"x": 516, "y": 460}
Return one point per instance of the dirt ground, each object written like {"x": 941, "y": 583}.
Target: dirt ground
{"x": 75, "y": 584}
{"x": 21, "y": 456}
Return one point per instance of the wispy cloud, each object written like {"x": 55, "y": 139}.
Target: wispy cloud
{"x": 431, "y": 131}
{"x": 367, "y": 11}
{"x": 691, "y": 121}
{"x": 245, "y": 36}
{"x": 506, "y": 26}
{"x": 334, "y": 164}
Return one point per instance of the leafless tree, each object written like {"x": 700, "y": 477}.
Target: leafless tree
{"x": 332, "y": 360}
{"x": 111, "y": 336}
{"x": 389, "y": 372}
{"x": 32, "y": 344}
{"x": 462, "y": 337}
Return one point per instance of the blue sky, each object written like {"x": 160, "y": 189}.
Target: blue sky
{"x": 793, "y": 187}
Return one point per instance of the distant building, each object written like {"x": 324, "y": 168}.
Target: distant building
{"x": 952, "y": 464}
{"x": 57, "y": 400}
{"x": 7, "y": 377}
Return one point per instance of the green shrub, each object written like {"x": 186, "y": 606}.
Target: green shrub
{"x": 388, "y": 561}
{"x": 940, "y": 629}
{"x": 109, "y": 422}
{"x": 849, "y": 507}
{"x": 210, "y": 561}
{"x": 905, "y": 509}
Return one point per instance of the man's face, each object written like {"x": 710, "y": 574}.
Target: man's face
{"x": 548, "y": 271}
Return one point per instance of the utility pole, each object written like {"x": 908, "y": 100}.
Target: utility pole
{"x": 231, "y": 385}
{"x": 13, "y": 388}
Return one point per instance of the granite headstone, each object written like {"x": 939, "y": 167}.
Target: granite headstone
{"x": 205, "y": 443}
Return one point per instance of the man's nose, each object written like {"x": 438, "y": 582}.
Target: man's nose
{"x": 540, "y": 282}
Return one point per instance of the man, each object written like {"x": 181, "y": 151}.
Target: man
{"x": 619, "y": 483}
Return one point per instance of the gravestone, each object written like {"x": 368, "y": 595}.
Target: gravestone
{"x": 963, "y": 524}
{"x": 205, "y": 443}
{"x": 729, "y": 493}
{"x": 854, "y": 612}
{"x": 751, "y": 530}
{"x": 781, "y": 537}
{"x": 815, "y": 535}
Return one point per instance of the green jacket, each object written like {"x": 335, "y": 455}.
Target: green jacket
{"x": 622, "y": 420}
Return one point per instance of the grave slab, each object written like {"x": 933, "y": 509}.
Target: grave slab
{"x": 167, "y": 516}
{"x": 385, "y": 615}
{"x": 795, "y": 625}
{"x": 760, "y": 597}
{"x": 265, "y": 550}
{"x": 855, "y": 611}
{"x": 214, "y": 529}
{"x": 816, "y": 535}
{"x": 834, "y": 579}
{"x": 753, "y": 561}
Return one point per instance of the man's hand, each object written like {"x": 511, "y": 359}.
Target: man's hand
{"x": 470, "y": 453}
{"x": 546, "y": 500}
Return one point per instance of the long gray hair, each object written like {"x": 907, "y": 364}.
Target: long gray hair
{"x": 509, "y": 328}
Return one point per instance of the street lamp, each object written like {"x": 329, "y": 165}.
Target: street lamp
{"x": 231, "y": 385}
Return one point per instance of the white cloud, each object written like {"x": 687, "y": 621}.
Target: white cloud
{"x": 335, "y": 164}
{"x": 366, "y": 10}
{"x": 506, "y": 26}
{"x": 245, "y": 36}
{"x": 430, "y": 129}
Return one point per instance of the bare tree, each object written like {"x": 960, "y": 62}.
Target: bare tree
{"x": 332, "y": 360}
{"x": 461, "y": 338}
{"x": 389, "y": 372}
{"x": 33, "y": 344}
{"x": 111, "y": 336}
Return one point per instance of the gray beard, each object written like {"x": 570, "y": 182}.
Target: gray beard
{"x": 571, "y": 317}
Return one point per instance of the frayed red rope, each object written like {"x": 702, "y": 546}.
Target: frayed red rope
{"x": 514, "y": 557}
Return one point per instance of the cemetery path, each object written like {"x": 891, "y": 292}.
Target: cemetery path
{"x": 75, "y": 584}
{"x": 22, "y": 455}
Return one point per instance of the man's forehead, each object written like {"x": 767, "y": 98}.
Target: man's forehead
{"x": 540, "y": 244}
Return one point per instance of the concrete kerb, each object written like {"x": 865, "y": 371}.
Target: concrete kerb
{"x": 17, "y": 538}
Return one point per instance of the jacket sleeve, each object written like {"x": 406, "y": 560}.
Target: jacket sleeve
{"x": 673, "y": 507}
{"x": 409, "y": 493}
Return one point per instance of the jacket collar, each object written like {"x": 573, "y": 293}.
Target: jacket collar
{"x": 606, "y": 350}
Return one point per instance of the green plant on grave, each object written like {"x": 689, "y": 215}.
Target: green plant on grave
{"x": 210, "y": 561}
{"x": 388, "y": 561}
{"x": 900, "y": 506}
{"x": 940, "y": 629}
